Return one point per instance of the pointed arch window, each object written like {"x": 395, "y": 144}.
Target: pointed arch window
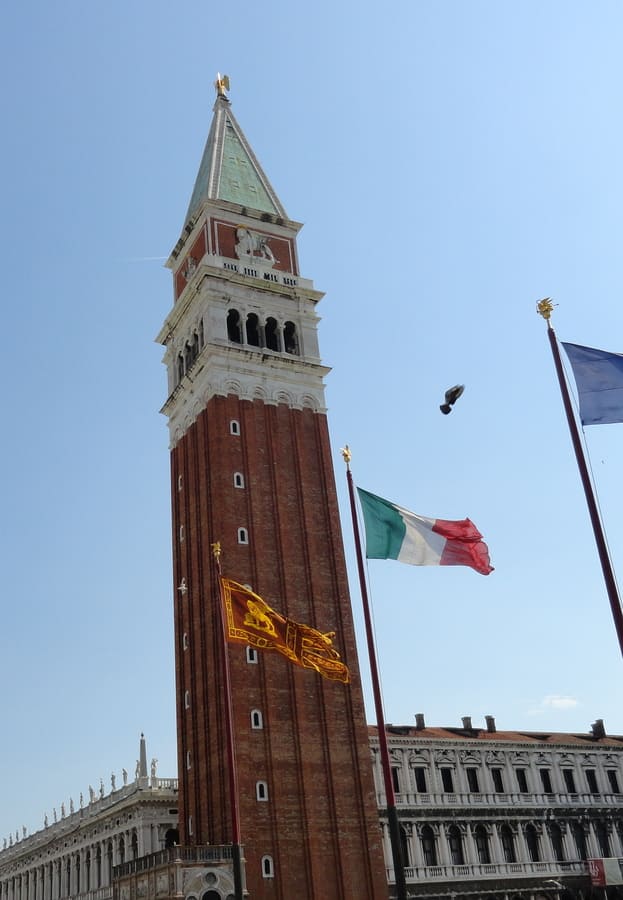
{"x": 290, "y": 339}
{"x": 234, "y": 331}
{"x": 253, "y": 330}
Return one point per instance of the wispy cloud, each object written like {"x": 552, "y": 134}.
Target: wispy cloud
{"x": 553, "y": 701}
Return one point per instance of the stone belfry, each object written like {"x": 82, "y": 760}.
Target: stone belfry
{"x": 251, "y": 468}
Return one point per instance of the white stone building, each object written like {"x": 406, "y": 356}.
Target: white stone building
{"x": 502, "y": 814}
{"x": 484, "y": 813}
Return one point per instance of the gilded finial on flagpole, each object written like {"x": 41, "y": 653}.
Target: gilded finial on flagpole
{"x": 347, "y": 455}
{"x": 216, "y": 550}
{"x": 545, "y": 307}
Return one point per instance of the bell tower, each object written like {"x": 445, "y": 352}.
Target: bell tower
{"x": 251, "y": 468}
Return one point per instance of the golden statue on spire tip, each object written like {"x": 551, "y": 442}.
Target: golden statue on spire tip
{"x": 221, "y": 84}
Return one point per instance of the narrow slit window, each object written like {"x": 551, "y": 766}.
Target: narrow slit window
{"x": 252, "y": 655}
{"x": 243, "y": 536}
{"x": 180, "y": 482}
{"x": 238, "y": 480}
{"x": 185, "y": 641}
{"x": 261, "y": 791}
{"x": 181, "y": 533}
{"x": 234, "y": 427}
{"x": 268, "y": 869}
{"x": 186, "y": 699}
{"x": 188, "y": 760}
{"x": 257, "y": 721}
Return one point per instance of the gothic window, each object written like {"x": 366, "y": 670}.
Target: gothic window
{"x": 532, "y": 842}
{"x": 271, "y": 331}
{"x": 234, "y": 331}
{"x": 243, "y": 536}
{"x": 404, "y": 845}
{"x": 238, "y": 480}
{"x": 446, "y": 780}
{"x": 290, "y": 340}
{"x": 567, "y": 774}
{"x": 546, "y": 780}
{"x": 420, "y": 779}
{"x": 268, "y": 869}
{"x": 253, "y": 330}
{"x": 472, "y": 780}
{"x": 455, "y": 842}
{"x": 261, "y": 791}
{"x": 481, "y": 839}
{"x": 429, "y": 848}
{"x": 591, "y": 780}
{"x": 555, "y": 835}
{"x": 234, "y": 427}
{"x": 256, "y": 719}
{"x": 498, "y": 784}
{"x": 252, "y": 655}
{"x": 522, "y": 781}
{"x": 580, "y": 839}
{"x": 508, "y": 844}
{"x": 602, "y": 839}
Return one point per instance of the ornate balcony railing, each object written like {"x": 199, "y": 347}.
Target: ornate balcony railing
{"x": 547, "y": 869}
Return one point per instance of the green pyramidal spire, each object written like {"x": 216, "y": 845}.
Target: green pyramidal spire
{"x": 229, "y": 170}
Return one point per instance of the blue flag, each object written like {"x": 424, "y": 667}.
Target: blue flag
{"x": 599, "y": 379}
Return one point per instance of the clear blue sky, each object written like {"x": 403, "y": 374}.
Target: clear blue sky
{"x": 453, "y": 162}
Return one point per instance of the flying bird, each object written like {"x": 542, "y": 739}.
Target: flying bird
{"x": 451, "y": 396}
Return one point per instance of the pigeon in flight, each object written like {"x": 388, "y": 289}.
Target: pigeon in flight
{"x": 452, "y": 395}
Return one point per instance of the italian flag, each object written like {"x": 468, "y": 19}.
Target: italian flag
{"x": 395, "y": 533}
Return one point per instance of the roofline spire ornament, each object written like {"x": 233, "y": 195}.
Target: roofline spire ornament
{"x": 221, "y": 84}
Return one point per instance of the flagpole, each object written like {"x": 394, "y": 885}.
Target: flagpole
{"x": 392, "y": 814}
{"x": 545, "y": 307}
{"x": 229, "y": 726}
